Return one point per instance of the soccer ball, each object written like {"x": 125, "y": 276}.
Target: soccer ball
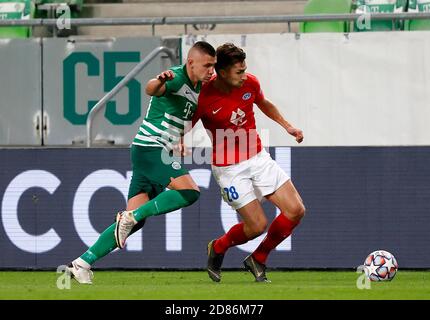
{"x": 380, "y": 265}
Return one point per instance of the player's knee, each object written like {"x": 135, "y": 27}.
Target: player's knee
{"x": 190, "y": 195}
{"x": 257, "y": 229}
{"x": 299, "y": 211}
{"x": 261, "y": 228}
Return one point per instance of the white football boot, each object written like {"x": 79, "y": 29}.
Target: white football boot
{"x": 125, "y": 222}
{"x": 81, "y": 271}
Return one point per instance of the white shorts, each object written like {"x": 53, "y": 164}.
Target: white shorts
{"x": 248, "y": 180}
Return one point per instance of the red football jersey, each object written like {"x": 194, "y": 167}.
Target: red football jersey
{"x": 230, "y": 120}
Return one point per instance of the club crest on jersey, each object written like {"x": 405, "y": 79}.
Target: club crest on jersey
{"x": 238, "y": 117}
{"x": 176, "y": 165}
{"x": 246, "y": 96}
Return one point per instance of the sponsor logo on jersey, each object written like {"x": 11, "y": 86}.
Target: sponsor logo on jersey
{"x": 238, "y": 117}
{"x": 216, "y": 111}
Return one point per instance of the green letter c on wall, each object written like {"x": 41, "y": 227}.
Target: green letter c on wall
{"x": 69, "y": 84}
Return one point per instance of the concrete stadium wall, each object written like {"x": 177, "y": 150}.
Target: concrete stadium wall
{"x": 358, "y": 199}
{"x": 359, "y": 89}
{"x": 48, "y": 87}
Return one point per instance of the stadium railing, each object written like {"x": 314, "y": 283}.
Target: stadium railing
{"x": 212, "y": 19}
{"x": 186, "y": 21}
{"x": 133, "y": 73}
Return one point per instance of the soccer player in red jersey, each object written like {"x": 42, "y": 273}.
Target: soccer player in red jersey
{"x": 243, "y": 169}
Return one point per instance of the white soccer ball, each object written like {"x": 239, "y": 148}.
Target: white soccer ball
{"x": 380, "y": 265}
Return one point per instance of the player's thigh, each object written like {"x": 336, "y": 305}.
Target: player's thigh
{"x": 160, "y": 169}
{"x": 288, "y": 200}
{"x": 267, "y": 175}
{"x": 254, "y": 218}
{"x": 235, "y": 185}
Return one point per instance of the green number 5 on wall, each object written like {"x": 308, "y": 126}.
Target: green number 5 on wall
{"x": 111, "y": 79}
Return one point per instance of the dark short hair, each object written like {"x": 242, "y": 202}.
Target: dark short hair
{"x": 228, "y": 55}
{"x": 205, "y": 47}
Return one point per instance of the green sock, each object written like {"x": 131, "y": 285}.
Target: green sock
{"x": 166, "y": 201}
{"x": 105, "y": 243}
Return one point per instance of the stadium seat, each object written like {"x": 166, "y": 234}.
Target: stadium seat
{"x": 53, "y": 9}
{"x": 381, "y": 6}
{"x": 48, "y": 8}
{"x": 16, "y": 9}
{"x": 418, "y": 6}
{"x": 326, "y": 7}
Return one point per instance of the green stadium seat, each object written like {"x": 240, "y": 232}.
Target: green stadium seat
{"x": 381, "y": 6}
{"x": 418, "y": 6}
{"x": 16, "y": 9}
{"x": 326, "y": 7}
{"x": 47, "y": 8}
{"x": 53, "y": 9}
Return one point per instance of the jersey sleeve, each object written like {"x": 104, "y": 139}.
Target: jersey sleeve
{"x": 175, "y": 84}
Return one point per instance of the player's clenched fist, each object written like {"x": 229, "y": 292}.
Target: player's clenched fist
{"x": 166, "y": 76}
{"x": 297, "y": 133}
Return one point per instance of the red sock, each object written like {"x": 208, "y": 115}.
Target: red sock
{"x": 235, "y": 236}
{"x": 280, "y": 229}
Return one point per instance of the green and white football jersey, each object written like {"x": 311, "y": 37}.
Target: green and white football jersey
{"x": 168, "y": 115}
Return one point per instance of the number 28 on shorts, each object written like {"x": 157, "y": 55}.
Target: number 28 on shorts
{"x": 230, "y": 194}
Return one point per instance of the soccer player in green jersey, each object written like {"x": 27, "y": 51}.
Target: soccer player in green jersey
{"x": 174, "y": 94}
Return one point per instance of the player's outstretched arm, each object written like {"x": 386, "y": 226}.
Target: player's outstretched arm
{"x": 270, "y": 110}
{"x": 156, "y": 86}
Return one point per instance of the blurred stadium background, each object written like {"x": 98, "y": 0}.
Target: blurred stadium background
{"x": 357, "y": 84}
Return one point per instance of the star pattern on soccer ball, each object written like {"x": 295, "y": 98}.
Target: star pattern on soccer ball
{"x": 372, "y": 268}
{"x": 389, "y": 264}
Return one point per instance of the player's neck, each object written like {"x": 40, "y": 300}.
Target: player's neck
{"x": 191, "y": 76}
{"x": 222, "y": 86}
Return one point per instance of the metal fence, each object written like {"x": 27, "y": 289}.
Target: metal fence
{"x": 185, "y": 21}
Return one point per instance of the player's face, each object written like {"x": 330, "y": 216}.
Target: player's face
{"x": 235, "y": 76}
{"x": 203, "y": 67}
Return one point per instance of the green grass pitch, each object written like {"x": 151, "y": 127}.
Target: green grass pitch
{"x": 195, "y": 285}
